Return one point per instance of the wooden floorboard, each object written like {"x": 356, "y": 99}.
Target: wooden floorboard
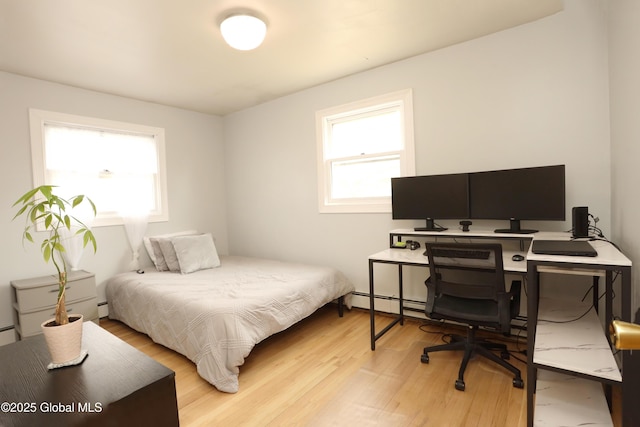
{"x": 322, "y": 372}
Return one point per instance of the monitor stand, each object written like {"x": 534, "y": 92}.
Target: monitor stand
{"x": 431, "y": 226}
{"x": 515, "y": 228}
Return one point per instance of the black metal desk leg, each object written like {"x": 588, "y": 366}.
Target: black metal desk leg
{"x": 372, "y": 308}
{"x": 627, "y": 300}
{"x": 596, "y": 293}
{"x": 608, "y": 301}
{"x": 400, "y": 294}
{"x": 533, "y": 282}
{"x": 608, "y": 317}
{"x": 630, "y": 361}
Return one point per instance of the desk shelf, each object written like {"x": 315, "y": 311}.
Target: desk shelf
{"x": 563, "y": 400}
{"x": 570, "y": 340}
{"x": 475, "y": 234}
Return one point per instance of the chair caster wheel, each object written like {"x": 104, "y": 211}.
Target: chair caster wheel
{"x": 424, "y": 358}
{"x": 518, "y": 383}
{"x": 460, "y": 385}
{"x": 505, "y": 355}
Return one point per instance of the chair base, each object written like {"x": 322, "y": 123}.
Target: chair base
{"x": 473, "y": 345}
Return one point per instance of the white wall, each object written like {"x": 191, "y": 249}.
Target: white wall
{"x": 624, "y": 45}
{"x": 533, "y": 95}
{"x": 194, "y": 150}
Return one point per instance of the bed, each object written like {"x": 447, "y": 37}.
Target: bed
{"x": 215, "y": 313}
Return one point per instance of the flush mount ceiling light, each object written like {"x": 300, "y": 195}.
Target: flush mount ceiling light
{"x": 243, "y": 31}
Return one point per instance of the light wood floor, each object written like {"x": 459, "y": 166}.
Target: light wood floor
{"x": 322, "y": 372}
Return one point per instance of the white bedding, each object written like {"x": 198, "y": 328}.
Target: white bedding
{"x": 215, "y": 317}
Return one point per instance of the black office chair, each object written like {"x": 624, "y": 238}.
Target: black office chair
{"x": 467, "y": 286}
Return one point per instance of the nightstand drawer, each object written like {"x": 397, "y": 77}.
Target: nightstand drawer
{"x": 30, "y": 322}
{"x": 36, "y": 294}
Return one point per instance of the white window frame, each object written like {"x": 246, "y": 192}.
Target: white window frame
{"x": 37, "y": 121}
{"x": 400, "y": 100}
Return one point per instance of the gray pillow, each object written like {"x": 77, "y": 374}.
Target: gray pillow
{"x": 169, "y": 254}
{"x": 195, "y": 253}
{"x": 155, "y": 252}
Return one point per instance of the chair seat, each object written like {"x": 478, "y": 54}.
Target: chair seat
{"x": 476, "y": 312}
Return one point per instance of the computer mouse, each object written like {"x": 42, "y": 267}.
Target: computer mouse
{"x": 517, "y": 257}
{"x": 413, "y": 245}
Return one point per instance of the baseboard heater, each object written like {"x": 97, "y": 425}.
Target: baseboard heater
{"x": 521, "y": 321}
{"x": 387, "y": 297}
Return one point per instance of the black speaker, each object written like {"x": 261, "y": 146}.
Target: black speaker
{"x": 580, "y": 215}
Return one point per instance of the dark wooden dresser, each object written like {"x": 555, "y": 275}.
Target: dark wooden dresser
{"x": 116, "y": 385}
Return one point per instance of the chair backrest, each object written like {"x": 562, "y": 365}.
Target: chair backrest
{"x": 467, "y": 272}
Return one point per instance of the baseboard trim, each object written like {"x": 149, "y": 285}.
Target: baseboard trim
{"x": 7, "y": 328}
{"x": 103, "y": 310}
{"x": 7, "y": 335}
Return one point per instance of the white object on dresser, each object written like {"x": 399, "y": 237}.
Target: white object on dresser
{"x": 34, "y": 300}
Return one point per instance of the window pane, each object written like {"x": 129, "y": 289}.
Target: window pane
{"x": 363, "y": 178}
{"x": 369, "y": 134}
{"x": 361, "y": 146}
{"x": 111, "y": 192}
{"x": 70, "y": 148}
{"x": 117, "y": 170}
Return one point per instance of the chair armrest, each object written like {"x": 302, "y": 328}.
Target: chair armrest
{"x": 431, "y": 294}
{"x": 515, "y": 293}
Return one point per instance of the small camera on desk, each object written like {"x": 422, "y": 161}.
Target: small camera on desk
{"x": 409, "y": 244}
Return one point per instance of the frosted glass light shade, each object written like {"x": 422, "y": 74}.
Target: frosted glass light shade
{"x": 243, "y": 32}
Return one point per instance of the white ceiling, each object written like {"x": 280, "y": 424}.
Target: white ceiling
{"x": 171, "y": 52}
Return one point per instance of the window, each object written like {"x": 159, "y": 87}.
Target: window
{"x": 361, "y": 146}
{"x": 120, "y": 166}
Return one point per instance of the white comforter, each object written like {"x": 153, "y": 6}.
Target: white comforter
{"x": 215, "y": 317}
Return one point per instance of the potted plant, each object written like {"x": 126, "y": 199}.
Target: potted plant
{"x": 45, "y": 211}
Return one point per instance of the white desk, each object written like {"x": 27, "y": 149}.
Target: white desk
{"x": 408, "y": 257}
{"x": 566, "y": 353}
{"x": 475, "y": 234}
{"x": 417, "y": 257}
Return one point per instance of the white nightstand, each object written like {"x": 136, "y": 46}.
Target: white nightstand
{"x": 34, "y": 300}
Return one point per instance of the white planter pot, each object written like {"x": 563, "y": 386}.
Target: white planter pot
{"x": 64, "y": 342}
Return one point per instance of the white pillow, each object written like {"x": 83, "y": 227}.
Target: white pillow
{"x": 195, "y": 252}
{"x": 154, "y": 251}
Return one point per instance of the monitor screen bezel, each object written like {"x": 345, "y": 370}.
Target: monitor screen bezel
{"x": 410, "y": 196}
{"x": 533, "y": 194}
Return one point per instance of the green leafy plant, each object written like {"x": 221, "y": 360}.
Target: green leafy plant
{"x": 41, "y": 206}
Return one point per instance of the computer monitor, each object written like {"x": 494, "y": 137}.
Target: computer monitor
{"x": 536, "y": 193}
{"x": 430, "y": 197}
